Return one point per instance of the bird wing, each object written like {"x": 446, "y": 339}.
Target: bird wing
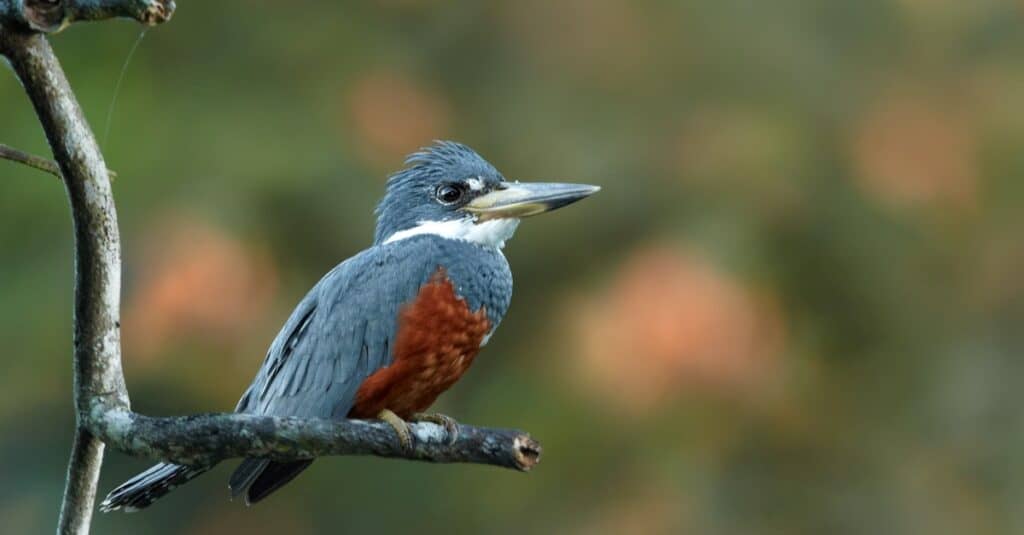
{"x": 340, "y": 333}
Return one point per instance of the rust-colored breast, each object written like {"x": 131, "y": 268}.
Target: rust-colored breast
{"x": 438, "y": 337}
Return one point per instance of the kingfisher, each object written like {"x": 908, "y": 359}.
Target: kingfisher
{"x": 388, "y": 330}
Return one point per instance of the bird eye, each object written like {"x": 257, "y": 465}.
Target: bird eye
{"x": 449, "y": 193}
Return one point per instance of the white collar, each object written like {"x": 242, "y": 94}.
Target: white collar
{"x": 492, "y": 233}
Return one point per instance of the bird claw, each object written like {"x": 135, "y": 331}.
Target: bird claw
{"x": 451, "y": 427}
{"x": 400, "y": 426}
{"x": 405, "y": 435}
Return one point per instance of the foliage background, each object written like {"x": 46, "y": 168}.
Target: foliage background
{"x": 796, "y": 307}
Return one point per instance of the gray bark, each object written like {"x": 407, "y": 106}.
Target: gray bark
{"x": 101, "y": 398}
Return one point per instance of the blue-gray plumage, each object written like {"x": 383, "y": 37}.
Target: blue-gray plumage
{"x": 389, "y": 329}
{"x": 403, "y": 207}
{"x": 353, "y": 311}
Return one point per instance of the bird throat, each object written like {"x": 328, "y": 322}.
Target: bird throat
{"x": 491, "y": 233}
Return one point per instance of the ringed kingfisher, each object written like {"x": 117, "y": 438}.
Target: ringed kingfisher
{"x": 384, "y": 333}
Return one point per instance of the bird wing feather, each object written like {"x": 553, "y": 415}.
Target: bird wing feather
{"x": 340, "y": 333}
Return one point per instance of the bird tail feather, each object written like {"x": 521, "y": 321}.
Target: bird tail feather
{"x": 142, "y": 490}
{"x": 258, "y": 478}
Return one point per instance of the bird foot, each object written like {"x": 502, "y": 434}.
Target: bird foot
{"x": 405, "y": 436}
{"x": 451, "y": 427}
{"x": 400, "y": 426}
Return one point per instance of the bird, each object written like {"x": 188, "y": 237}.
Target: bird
{"x": 388, "y": 330}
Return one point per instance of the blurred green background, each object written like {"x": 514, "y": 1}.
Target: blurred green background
{"x": 796, "y": 307}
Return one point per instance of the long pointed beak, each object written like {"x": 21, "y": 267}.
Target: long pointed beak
{"x": 526, "y": 199}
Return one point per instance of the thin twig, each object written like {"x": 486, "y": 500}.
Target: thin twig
{"x": 36, "y": 162}
{"x": 8, "y": 152}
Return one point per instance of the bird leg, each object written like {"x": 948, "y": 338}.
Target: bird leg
{"x": 447, "y": 422}
{"x": 400, "y": 426}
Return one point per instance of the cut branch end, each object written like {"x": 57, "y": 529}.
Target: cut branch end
{"x": 527, "y": 451}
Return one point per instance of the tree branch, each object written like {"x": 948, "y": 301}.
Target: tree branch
{"x": 8, "y": 152}
{"x": 55, "y": 15}
{"x": 101, "y": 398}
{"x": 31, "y": 160}
{"x": 205, "y": 439}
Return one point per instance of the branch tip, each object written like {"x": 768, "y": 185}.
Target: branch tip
{"x": 527, "y": 452}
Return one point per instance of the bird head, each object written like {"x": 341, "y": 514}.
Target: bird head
{"x": 449, "y": 190}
